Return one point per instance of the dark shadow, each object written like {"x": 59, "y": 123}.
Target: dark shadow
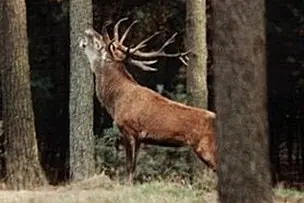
{"x": 285, "y": 89}
{"x": 48, "y": 31}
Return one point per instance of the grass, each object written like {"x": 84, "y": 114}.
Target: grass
{"x": 100, "y": 189}
{"x": 288, "y": 195}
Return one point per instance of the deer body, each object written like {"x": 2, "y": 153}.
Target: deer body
{"x": 142, "y": 115}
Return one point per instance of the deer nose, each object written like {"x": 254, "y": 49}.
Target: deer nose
{"x": 82, "y": 43}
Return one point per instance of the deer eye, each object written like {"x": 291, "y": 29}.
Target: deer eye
{"x": 97, "y": 44}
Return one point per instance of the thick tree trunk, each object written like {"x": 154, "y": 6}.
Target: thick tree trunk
{"x": 81, "y": 95}
{"x": 23, "y": 169}
{"x": 196, "y": 41}
{"x": 241, "y": 100}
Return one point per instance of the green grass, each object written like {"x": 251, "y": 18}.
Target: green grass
{"x": 285, "y": 193}
{"x": 99, "y": 190}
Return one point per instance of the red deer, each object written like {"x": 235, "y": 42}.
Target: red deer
{"x": 142, "y": 115}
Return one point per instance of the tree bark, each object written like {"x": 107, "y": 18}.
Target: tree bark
{"x": 241, "y": 101}
{"x": 2, "y": 58}
{"x": 81, "y": 95}
{"x": 196, "y": 40}
{"x": 23, "y": 169}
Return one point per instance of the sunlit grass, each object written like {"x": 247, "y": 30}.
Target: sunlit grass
{"x": 103, "y": 190}
{"x": 282, "y": 192}
{"x": 100, "y": 189}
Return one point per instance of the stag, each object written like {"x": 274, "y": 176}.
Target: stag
{"x": 142, "y": 115}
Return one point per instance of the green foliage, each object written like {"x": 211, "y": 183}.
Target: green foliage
{"x": 154, "y": 163}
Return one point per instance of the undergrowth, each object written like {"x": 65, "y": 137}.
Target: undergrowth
{"x": 176, "y": 165}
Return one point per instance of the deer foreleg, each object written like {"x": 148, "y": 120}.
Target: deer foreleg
{"x": 134, "y": 145}
{"x": 128, "y": 148}
{"x": 131, "y": 147}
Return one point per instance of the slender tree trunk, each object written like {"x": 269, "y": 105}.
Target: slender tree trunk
{"x": 196, "y": 40}
{"x": 241, "y": 100}
{"x": 2, "y": 158}
{"x": 81, "y": 95}
{"x": 23, "y": 169}
{"x": 1, "y": 34}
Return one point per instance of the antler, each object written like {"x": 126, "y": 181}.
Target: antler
{"x": 127, "y": 31}
{"x": 143, "y": 64}
{"x": 142, "y": 43}
{"x": 104, "y": 32}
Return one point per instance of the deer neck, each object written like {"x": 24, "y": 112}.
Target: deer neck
{"x": 112, "y": 82}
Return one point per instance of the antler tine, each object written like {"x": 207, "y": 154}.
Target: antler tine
{"x": 183, "y": 60}
{"x": 149, "y": 62}
{"x": 169, "y": 41}
{"x": 106, "y": 24}
{"x": 116, "y": 34}
{"x": 127, "y": 31}
{"x": 105, "y": 33}
{"x": 143, "y": 64}
{"x": 142, "y": 43}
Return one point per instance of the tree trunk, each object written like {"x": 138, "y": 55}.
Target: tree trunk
{"x": 241, "y": 101}
{"x": 196, "y": 40}
{"x": 23, "y": 169}
{"x": 81, "y": 95}
{"x": 2, "y": 61}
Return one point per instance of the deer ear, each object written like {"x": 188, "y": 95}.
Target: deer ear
{"x": 97, "y": 45}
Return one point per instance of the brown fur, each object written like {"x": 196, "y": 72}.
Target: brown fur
{"x": 144, "y": 116}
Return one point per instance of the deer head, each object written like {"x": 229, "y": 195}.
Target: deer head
{"x": 101, "y": 48}
{"x": 94, "y": 47}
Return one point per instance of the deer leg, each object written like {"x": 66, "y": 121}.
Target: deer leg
{"x": 135, "y": 153}
{"x": 131, "y": 147}
{"x": 206, "y": 150}
{"x": 207, "y": 157}
{"x": 134, "y": 147}
{"x": 128, "y": 148}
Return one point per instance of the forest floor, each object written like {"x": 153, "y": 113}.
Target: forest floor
{"x": 100, "y": 189}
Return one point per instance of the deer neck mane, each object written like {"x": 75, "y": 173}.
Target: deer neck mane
{"x": 112, "y": 81}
